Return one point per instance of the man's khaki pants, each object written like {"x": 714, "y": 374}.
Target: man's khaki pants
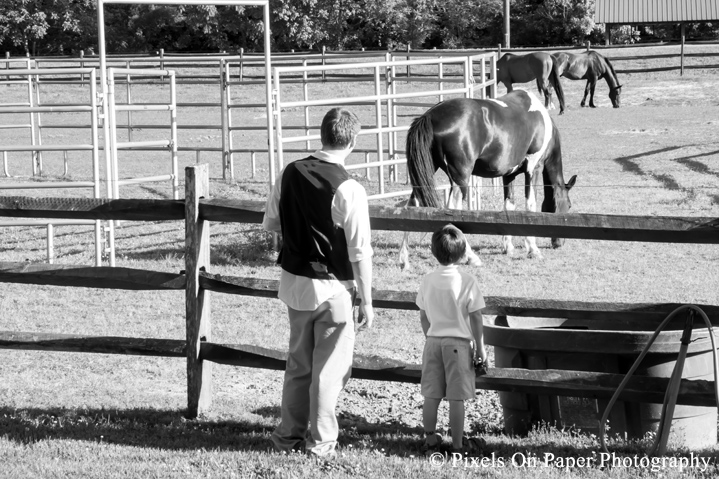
{"x": 318, "y": 367}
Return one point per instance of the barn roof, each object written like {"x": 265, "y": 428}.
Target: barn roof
{"x": 655, "y": 11}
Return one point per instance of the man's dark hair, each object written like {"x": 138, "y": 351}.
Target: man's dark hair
{"x": 339, "y": 127}
{"x": 448, "y": 244}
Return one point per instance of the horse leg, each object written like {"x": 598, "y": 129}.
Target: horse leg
{"x": 591, "y": 94}
{"x": 548, "y": 103}
{"x": 586, "y": 92}
{"x": 456, "y": 198}
{"x": 530, "y": 192}
{"x": 404, "y": 248}
{"x": 543, "y": 87}
{"x": 508, "y": 85}
{"x": 507, "y": 246}
{"x": 404, "y": 252}
{"x": 455, "y": 201}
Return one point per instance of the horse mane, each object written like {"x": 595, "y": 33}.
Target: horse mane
{"x": 609, "y": 64}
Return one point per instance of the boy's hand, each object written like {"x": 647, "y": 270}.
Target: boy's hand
{"x": 365, "y": 317}
{"x": 480, "y": 366}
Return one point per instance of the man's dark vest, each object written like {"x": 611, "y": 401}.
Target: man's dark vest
{"x": 312, "y": 245}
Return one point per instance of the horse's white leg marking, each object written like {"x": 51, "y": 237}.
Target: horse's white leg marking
{"x": 404, "y": 248}
{"x": 472, "y": 258}
{"x": 455, "y": 198}
{"x": 404, "y": 252}
{"x": 507, "y": 245}
{"x": 530, "y": 242}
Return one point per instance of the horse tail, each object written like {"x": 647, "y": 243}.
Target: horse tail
{"x": 420, "y": 165}
{"x": 554, "y": 76}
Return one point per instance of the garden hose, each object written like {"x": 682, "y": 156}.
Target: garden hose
{"x": 670, "y": 398}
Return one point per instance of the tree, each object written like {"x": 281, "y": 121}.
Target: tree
{"x": 465, "y": 24}
{"x": 553, "y": 22}
{"x": 22, "y": 23}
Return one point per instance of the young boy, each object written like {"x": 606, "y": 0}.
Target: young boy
{"x": 450, "y": 306}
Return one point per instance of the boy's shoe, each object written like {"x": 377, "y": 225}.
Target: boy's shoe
{"x": 472, "y": 447}
{"x": 432, "y": 444}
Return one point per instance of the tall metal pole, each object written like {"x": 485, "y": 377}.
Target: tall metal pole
{"x": 506, "y": 24}
{"x": 106, "y": 146}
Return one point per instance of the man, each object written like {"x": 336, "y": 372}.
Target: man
{"x": 323, "y": 216}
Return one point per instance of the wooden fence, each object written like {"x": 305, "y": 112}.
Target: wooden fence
{"x": 200, "y": 351}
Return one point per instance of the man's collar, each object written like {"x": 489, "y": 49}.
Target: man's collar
{"x": 332, "y": 156}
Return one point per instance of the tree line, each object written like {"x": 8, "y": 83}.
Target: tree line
{"x": 67, "y": 27}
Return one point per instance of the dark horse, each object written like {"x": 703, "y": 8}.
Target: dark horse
{"x": 590, "y": 66}
{"x": 533, "y": 66}
{"x": 490, "y": 138}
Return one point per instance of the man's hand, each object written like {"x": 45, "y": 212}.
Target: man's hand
{"x": 365, "y": 317}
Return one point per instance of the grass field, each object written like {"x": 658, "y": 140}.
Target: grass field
{"x": 89, "y": 415}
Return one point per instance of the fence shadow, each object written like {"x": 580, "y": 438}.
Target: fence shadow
{"x": 168, "y": 429}
{"x": 152, "y": 428}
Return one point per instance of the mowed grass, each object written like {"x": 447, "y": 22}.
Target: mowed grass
{"x": 90, "y": 415}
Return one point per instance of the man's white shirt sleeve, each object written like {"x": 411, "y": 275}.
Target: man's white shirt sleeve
{"x": 350, "y": 211}
{"x": 271, "y": 220}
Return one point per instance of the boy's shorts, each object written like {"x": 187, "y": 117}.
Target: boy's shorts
{"x": 447, "y": 369}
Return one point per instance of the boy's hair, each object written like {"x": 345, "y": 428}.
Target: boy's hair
{"x": 339, "y": 127}
{"x": 448, "y": 244}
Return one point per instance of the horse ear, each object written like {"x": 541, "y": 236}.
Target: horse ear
{"x": 570, "y": 183}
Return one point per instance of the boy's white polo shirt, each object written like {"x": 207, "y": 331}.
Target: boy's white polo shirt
{"x": 448, "y": 295}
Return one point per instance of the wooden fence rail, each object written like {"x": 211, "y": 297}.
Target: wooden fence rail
{"x": 138, "y": 279}
{"x": 200, "y": 351}
{"x": 662, "y": 229}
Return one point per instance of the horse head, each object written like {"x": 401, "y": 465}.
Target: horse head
{"x": 614, "y": 94}
{"x": 559, "y": 203}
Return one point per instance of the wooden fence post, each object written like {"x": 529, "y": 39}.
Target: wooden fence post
{"x": 197, "y": 300}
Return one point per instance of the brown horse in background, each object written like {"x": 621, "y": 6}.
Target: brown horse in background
{"x": 534, "y": 66}
{"x": 590, "y": 66}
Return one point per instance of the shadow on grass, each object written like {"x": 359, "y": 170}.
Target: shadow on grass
{"x": 628, "y": 164}
{"x": 164, "y": 429}
{"x": 697, "y": 166}
{"x": 169, "y": 430}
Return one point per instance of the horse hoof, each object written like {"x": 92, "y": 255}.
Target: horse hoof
{"x": 561, "y": 112}
{"x": 535, "y": 255}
